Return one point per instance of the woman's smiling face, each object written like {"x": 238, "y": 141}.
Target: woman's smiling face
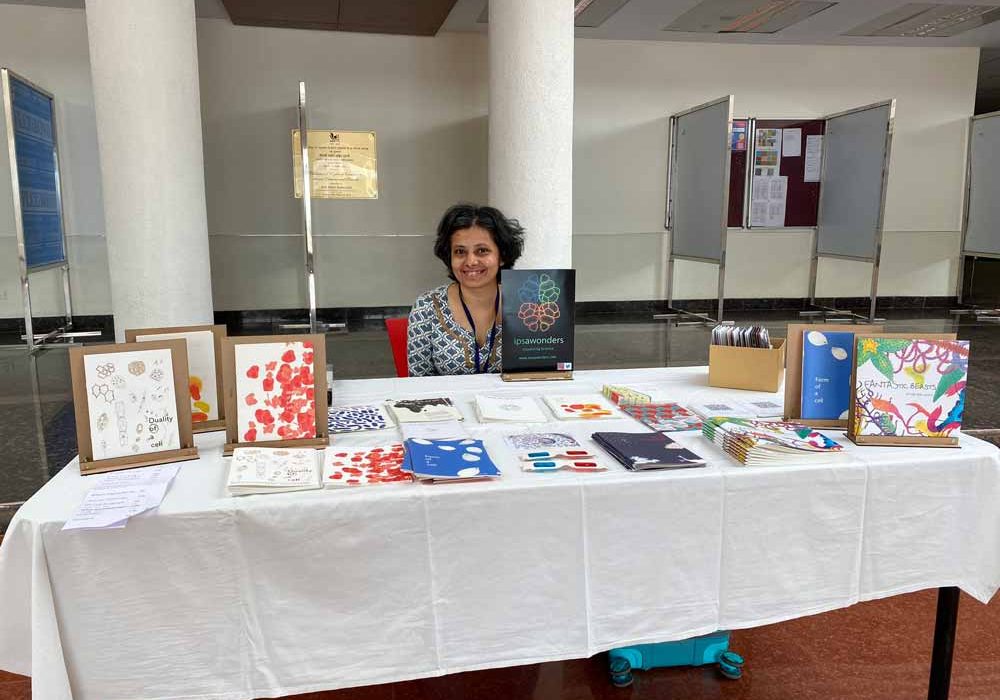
{"x": 475, "y": 258}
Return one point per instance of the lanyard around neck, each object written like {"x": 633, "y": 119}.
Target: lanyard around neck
{"x": 493, "y": 330}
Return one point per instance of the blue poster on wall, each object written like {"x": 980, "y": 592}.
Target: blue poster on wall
{"x": 33, "y": 125}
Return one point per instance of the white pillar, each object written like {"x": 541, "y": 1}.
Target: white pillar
{"x": 531, "y": 124}
{"x": 144, "y": 64}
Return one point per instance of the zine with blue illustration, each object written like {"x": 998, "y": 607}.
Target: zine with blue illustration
{"x": 448, "y": 459}
{"x": 826, "y": 375}
{"x": 538, "y": 320}
{"x": 354, "y": 419}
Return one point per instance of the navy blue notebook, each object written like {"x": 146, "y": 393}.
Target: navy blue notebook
{"x": 639, "y": 451}
{"x": 436, "y": 460}
{"x": 826, "y": 374}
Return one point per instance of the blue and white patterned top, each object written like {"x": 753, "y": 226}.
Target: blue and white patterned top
{"x": 437, "y": 345}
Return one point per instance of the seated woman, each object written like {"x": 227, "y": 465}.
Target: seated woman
{"x": 455, "y": 328}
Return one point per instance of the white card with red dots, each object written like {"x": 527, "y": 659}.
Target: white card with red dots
{"x": 275, "y": 391}
{"x": 344, "y": 467}
{"x": 582, "y": 407}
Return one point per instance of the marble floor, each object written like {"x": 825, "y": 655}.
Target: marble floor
{"x": 879, "y": 649}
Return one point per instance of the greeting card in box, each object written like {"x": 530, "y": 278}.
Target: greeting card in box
{"x": 204, "y": 351}
{"x": 275, "y": 389}
{"x": 131, "y": 405}
{"x": 908, "y": 390}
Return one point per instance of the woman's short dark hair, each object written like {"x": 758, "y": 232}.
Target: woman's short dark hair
{"x": 507, "y": 234}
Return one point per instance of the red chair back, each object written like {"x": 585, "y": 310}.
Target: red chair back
{"x": 397, "y": 328}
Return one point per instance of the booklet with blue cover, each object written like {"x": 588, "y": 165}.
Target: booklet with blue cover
{"x": 444, "y": 460}
{"x": 826, "y": 374}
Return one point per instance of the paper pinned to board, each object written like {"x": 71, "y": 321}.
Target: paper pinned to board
{"x": 118, "y": 496}
{"x": 768, "y": 200}
{"x": 814, "y": 158}
{"x": 791, "y": 143}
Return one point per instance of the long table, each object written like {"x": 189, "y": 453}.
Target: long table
{"x": 217, "y": 597}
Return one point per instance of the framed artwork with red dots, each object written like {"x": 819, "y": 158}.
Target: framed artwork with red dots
{"x": 274, "y": 389}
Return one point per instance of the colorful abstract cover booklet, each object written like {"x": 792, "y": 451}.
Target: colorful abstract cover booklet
{"x": 508, "y": 409}
{"x": 423, "y": 410}
{"x": 354, "y": 419}
{"x": 581, "y": 407}
{"x": 664, "y": 417}
{"x": 448, "y": 460}
{"x": 365, "y": 466}
{"x": 909, "y": 387}
{"x": 642, "y": 451}
{"x": 273, "y": 470}
{"x": 760, "y": 442}
{"x": 826, "y": 374}
{"x": 538, "y": 320}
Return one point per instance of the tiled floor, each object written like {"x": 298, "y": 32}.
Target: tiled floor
{"x": 877, "y": 650}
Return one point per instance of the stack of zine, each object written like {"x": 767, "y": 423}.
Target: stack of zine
{"x": 642, "y": 451}
{"x": 448, "y": 460}
{"x": 273, "y": 470}
{"x": 761, "y": 443}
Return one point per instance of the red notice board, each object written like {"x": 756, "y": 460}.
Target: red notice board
{"x": 802, "y": 207}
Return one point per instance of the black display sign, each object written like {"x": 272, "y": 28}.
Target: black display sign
{"x": 538, "y": 320}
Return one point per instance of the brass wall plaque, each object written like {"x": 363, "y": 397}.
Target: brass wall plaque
{"x": 342, "y": 164}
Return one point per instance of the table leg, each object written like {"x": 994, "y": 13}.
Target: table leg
{"x": 944, "y": 643}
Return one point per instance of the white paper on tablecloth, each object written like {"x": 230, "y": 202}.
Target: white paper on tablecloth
{"x": 118, "y": 496}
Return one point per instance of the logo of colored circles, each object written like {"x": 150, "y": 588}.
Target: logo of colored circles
{"x": 539, "y": 297}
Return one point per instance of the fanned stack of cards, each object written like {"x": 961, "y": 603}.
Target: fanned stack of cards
{"x": 354, "y": 419}
{"x": 423, "y": 410}
{"x": 760, "y": 443}
{"x": 622, "y": 395}
{"x": 448, "y": 460}
{"x": 741, "y": 336}
{"x": 581, "y": 407}
{"x": 643, "y": 451}
{"x": 508, "y": 409}
{"x": 664, "y": 417}
{"x": 364, "y": 466}
{"x": 273, "y": 470}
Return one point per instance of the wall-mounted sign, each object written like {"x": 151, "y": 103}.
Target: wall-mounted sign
{"x": 342, "y": 164}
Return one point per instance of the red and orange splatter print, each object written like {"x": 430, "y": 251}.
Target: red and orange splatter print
{"x": 283, "y": 400}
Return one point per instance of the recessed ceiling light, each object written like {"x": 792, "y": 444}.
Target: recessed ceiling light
{"x": 745, "y": 16}
{"x": 925, "y": 19}
{"x": 587, "y": 13}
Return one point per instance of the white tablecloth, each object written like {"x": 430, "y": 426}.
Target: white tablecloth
{"x": 218, "y": 597}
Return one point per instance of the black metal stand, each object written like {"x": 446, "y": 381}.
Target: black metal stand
{"x": 944, "y": 643}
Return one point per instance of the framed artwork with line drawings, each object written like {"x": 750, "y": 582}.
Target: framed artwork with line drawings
{"x": 130, "y": 402}
{"x": 275, "y": 391}
{"x": 204, "y": 353}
